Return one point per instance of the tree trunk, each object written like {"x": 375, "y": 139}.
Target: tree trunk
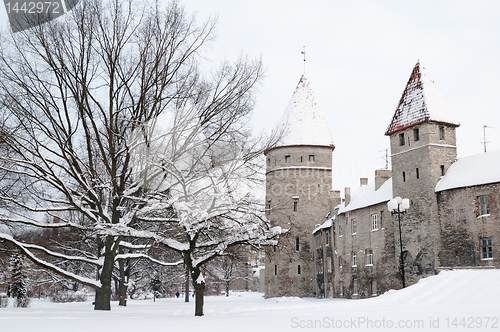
{"x": 227, "y": 288}
{"x": 199, "y": 290}
{"x": 123, "y": 283}
{"x": 103, "y": 295}
{"x": 186, "y": 292}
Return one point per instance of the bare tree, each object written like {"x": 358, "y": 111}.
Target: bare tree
{"x": 82, "y": 94}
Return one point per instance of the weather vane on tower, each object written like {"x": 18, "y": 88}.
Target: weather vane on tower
{"x": 304, "y": 52}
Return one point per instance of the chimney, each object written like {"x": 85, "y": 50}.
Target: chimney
{"x": 382, "y": 175}
{"x": 347, "y": 194}
{"x": 334, "y": 201}
{"x": 363, "y": 182}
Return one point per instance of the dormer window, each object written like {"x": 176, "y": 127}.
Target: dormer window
{"x": 288, "y": 159}
{"x": 441, "y": 133}
{"x": 402, "y": 139}
{"x": 311, "y": 158}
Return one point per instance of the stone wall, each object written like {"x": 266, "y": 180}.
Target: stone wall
{"x": 297, "y": 198}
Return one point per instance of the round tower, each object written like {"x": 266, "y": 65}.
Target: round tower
{"x": 298, "y": 183}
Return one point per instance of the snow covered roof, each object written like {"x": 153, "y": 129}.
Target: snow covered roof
{"x": 368, "y": 196}
{"x": 470, "y": 171}
{"x": 303, "y": 121}
{"x": 421, "y": 101}
{"x": 326, "y": 224}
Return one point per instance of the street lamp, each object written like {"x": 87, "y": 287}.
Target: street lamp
{"x": 400, "y": 206}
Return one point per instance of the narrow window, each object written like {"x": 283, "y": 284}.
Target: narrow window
{"x": 354, "y": 259}
{"x": 340, "y": 230}
{"x": 311, "y": 158}
{"x": 487, "y": 249}
{"x": 416, "y": 134}
{"x": 404, "y": 177}
{"x": 268, "y": 162}
{"x": 295, "y": 206}
{"x": 369, "y": 257}
{"x": 381, "y": 224}
{"x": 297, "y": 244}
{"x": 341, "y": 288}
{"x": 353, "y": 226}
{"x": 275, "y": 270}
{"x": 327, "y": 240}
{"x": 300, "y": 159}
{"x": 329, "y": 264}
{"x": 287, "y": 159}
{"x": 355, "y": 286}
{"x": 442, "y": 170}
{"x": 374, "y": 287}
{"x": 340, "y": 262}
{"x": 484, "y": 205}
{"x": 375, "y": 222}
{"x": 298, "y": 269}
{"x": 441, "y": 133}
{"x": 402, "y": 139}
{"x": 418, "y": 175}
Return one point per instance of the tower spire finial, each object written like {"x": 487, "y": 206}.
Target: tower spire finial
{"x": 304, "y": 53}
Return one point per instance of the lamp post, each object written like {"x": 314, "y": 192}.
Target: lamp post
{"x": 399, "y": 206}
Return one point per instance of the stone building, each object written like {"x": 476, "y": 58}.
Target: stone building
{"x": 298, "y": 183}
{"x": 453, "y": 220}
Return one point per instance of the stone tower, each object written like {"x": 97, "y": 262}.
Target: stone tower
{"x": 423, "y": 146}
{"x": 298, "y": 183}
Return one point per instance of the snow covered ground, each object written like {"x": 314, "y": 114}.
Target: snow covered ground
{"x": 453, "y": 300}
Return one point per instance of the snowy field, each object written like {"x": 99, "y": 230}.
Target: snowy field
{"x": 453, "y": 300}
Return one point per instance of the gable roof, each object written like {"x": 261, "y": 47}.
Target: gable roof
{"x": 421, "y": 101}
{"x": 303, "y": 122}
{"x": 471, "y": 171}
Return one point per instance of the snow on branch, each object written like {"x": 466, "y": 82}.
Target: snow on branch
{"x": 144, "y": 256}
{"x": 24, "y": 248}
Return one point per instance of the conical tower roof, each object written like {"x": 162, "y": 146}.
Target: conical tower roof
{"x": 303, "y": 122}
{"x": 421, "y": 101}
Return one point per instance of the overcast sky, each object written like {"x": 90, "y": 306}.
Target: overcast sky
{"x": 360, "y": 55}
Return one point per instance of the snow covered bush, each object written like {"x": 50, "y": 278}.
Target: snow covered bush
{"x": 69, "y": 296}
{"x": 4, "y": 299}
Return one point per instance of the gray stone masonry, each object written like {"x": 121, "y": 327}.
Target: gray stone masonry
{"x": 297, "y": 198}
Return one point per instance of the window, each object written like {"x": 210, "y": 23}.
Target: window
{"x": 268, "y": 162}
{"x": 340, "y": 262}
{"x": 374, "y": 287}
{"x": 287, "y": 159}
{"x": 355, "y": 286}
{"x": 484, "y": 205}
{"x": 416, "y": 134}
{"x": 375, "y": 222}
{"x": 275, "y": 270}
{"x": 442, "y": 170}
{"x": 487, "y": 249}
{"x": 354, "y": 259}
{"x": 329, "y": 264}
{"x": 300, "y": 159}
{"x": 340, "y": 230}
{"x": 297, "y": 244}
{"x": 311, "y": 158}
{"x": 298, "y": 269}
{"x": 441, "y": 133}
{"x": 295, "y": 206}
{"x": 327, "y": 240}
{"x": 341, "y": 288}
{"x": 404, "y": 177}
{"x": 402, "y": 139}
{"x": 369, "y": 257}
{"x": 417, "y": 172}
{"x": 353, "y": 226}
